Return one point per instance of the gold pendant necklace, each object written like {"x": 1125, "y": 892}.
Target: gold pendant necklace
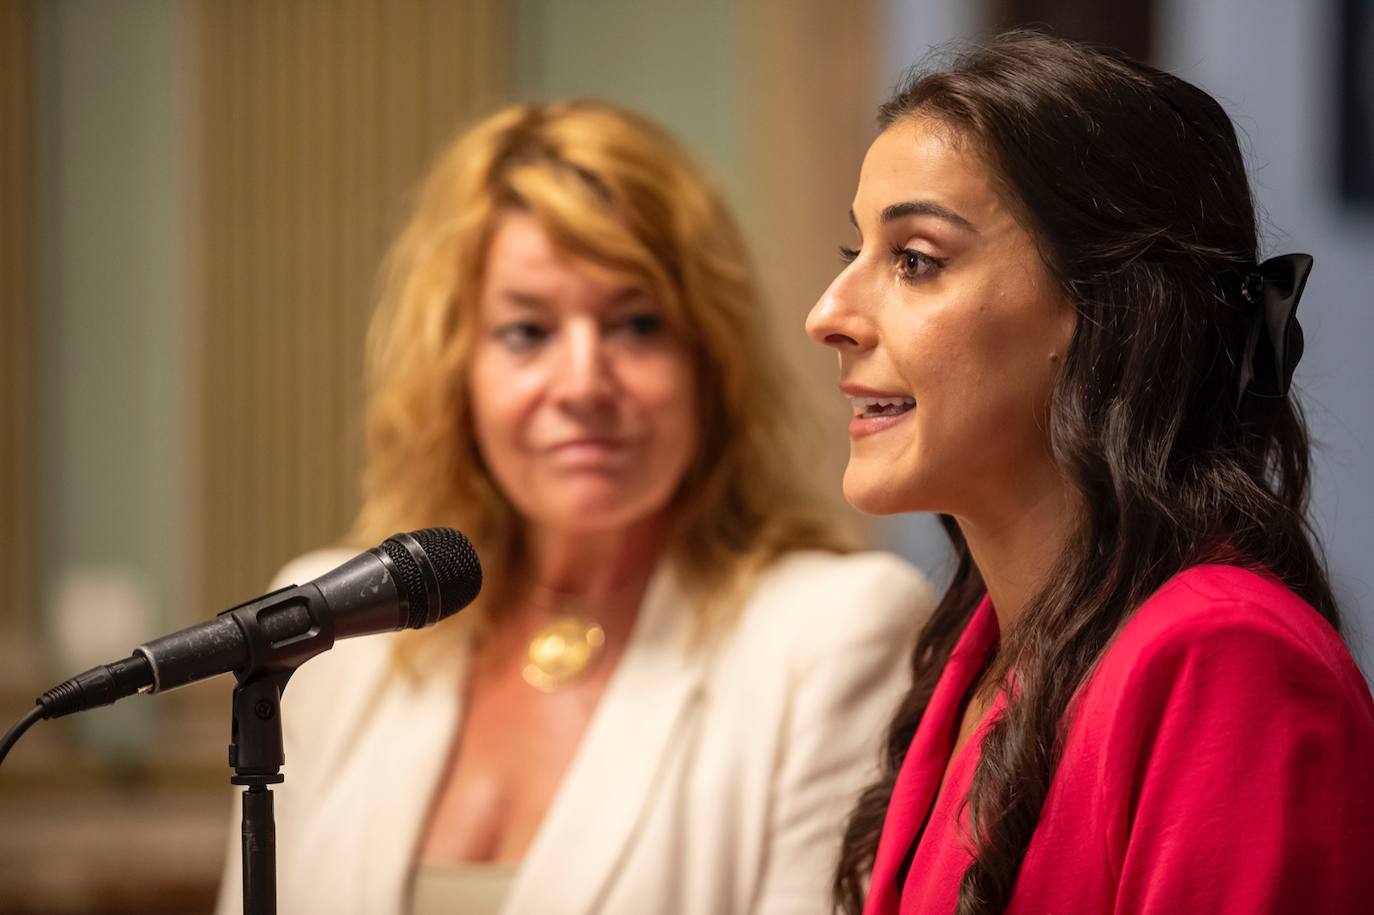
{"x": 561, "y": 652}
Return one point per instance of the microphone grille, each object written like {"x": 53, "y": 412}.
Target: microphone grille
{"x": 449, "y": 557}
{"x": 455, "y": 563}
{"x": 412, "y": 581}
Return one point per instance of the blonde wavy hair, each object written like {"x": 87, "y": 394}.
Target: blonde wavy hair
{"x": 610, "y": 187}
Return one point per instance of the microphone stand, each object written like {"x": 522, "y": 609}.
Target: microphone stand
{"x": 256, "y": 755}
{"x": 255, "y": 746}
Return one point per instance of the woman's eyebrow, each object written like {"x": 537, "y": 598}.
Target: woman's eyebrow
{"x": 626, "y": 294}
{"x": 524, "y": 299}
{"x": 921, "y": 208}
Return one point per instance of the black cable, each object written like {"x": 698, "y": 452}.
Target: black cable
{"x": 13, "y": 734}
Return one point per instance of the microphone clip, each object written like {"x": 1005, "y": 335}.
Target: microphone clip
{"x": 256, "y": 750}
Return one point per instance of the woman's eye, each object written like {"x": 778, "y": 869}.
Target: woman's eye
{"x": 915, "y": 265}
{"x": 644, "y": 325}
{"x": 521, "y": 335}
{"x": 848, "y": 255}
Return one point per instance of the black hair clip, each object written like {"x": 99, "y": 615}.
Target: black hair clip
{"x": 1274, "y": 344}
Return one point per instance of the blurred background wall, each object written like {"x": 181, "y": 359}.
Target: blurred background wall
{"x": 195, "y": 195}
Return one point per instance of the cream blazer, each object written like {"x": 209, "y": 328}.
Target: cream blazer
{"x": 710, "y": 780}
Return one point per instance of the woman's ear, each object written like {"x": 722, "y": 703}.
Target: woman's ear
{"x": 1066, "y": 322}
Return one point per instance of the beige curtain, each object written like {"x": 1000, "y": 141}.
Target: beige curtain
{"x": 316, "y": 119}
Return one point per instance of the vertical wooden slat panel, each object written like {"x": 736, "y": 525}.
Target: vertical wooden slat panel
{"x": 18, "y": 337}
{"x": 329, "y": 286}
{"x": 788, "y": 97}
{"x": 318, "y": 119}
{"x": 273, "y": 353}
{"x": 307, "y": 428}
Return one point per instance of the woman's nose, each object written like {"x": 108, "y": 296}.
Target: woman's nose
{"x": 836, "y": 320}
{"x": 584, "y": 376}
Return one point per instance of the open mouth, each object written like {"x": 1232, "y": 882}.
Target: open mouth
{"x": 872, "y": 407}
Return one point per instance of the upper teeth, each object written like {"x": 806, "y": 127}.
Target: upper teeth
{"x": 864, "y": 404}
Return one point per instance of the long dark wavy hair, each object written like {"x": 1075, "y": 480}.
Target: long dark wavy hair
{"x": 1133, "y": 185}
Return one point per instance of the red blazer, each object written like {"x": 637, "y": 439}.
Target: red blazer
{"x": 1220, "y": 759}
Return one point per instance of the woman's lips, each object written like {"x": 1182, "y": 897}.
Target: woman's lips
{"x": 587, "y": 453}
{"x": 876, "y": 410}
{"x": 865, "y": 424}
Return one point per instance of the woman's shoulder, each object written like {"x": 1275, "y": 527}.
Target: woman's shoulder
{"x": 1212, "y": 621}
{"x": 1226, "y": 701}
{"x": 1207, "y": 601}
{"x": 811, "y": 585}
{"x": 310, "y": 566}
{"x": 813, "y": 601}
{"x": 817, "y": 657}
{"x": 323, "y": 691}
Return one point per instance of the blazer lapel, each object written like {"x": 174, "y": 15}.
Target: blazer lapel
{"x": 409, "y": 750}
{"x": 927, "y": 758}
{"x": 594, "y": 815}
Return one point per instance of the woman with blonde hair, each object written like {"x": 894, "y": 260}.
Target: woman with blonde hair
{"x": 670, "y": 689}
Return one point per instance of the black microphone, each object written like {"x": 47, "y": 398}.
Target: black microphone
{"x": 410, "y": 581}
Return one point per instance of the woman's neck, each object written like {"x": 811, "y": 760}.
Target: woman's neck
{"x": 570, "y": 568}
{"x": 1016, "y": 550}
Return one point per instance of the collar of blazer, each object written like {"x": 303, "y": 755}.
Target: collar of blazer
{"x": 599, "y": 805}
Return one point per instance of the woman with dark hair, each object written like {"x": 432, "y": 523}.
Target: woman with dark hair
{"x": 1057, "y": 333}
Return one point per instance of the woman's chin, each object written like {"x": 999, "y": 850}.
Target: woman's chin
{"x": 593, "y": 516}
{"x": 874, "y": 493}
